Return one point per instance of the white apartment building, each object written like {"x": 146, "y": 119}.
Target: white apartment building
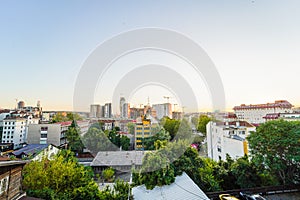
{"x": 163, "y": 110}
{"x": 284, "y": 116}
{"x": 256, "y": 113}
{"x": 227, "y": 138}
{"x": 14, "y": 131}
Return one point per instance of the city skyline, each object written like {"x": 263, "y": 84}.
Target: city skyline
{"x": 253, "y": 45}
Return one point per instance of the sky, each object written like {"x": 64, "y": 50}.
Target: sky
{"x": 254, "y": 44}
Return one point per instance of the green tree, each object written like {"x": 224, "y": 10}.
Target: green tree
{"x": 202, "y": 122}
{"x": 119, "y": 140}
{"x": 108, "y": 174}
{"x": 171, "y": 126}
{"x": 73, "y": 137}
{"x": 276, "y": 145}
{"x": 245, "y": 173}
{"x": 96, "y": 140}
{"x": 195, "y": 120}
{"x": 131, "y": 127}
{"x": 60, "y": 178}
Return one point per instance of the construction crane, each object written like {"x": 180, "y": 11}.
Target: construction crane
{"x": 167, "y": 97}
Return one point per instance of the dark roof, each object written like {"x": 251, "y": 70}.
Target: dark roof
{"x": 118, "y": 158}
{"x": 30, "y": 149}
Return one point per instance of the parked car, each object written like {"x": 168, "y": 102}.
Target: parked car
{"x": 227, "y": 197}
{"x": 249, "y": 196}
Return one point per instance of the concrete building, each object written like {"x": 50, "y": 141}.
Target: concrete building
{"x": 136, "y": 112}
{"x": 163, "y": 110}
{"x": 14, "y": 131}
{"x": 107, "y": 110}
{"x": 95, "y": 111}
{"x": 227, "y": 138}
{"x": 142, "y": 131}
{"x": 122, "y": 102}
{"x": 284, "y": 116}
{"x": 256, "y": 113}
{"x": 126, "y": 111}
{"x": 52, "y": 133}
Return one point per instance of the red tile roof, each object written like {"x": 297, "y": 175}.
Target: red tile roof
{"x": 277, "y": 104}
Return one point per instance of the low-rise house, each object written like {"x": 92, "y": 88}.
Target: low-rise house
{"x": 36, "y": 151}
{"x": 122, "y": 161}
{"x": 11, "y": 179}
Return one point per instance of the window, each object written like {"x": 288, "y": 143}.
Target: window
{"x": 8, "y": 132}
{"x": 219, "y": 149}
{"x": 43, "y": 135}
{"x": 4, "y": 132}
{"x": 12, "y": 132}
{"x": 20, "y": 135}
{"x": 9, "y": 127}
{"x": 21, "y": 131}
{"x": 13, "y": 127}
{"x": 4, "y": 136}
{"x": 12, "y": 137}
{"x": 13, "y": 123}
{"x": 44, "y": 128}
{"x": 5, "y": 127}
{"x": 5, "y": 123}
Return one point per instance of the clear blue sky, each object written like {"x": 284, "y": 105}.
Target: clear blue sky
{"x": 255, "y": 45}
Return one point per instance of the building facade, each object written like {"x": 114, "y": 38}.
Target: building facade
{"x": 52, "y": 133}
{"x": 14, "y": 131}
{"x": 256, "y": 113}
{"x": 95, "y": 111}
{"x": 227, "y": 138}
{"x": 142, "y": 131}
{"x": 163, "y": 110}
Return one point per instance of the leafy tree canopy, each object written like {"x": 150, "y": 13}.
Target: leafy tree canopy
{"x": 202, "y": 122}
{"x": 276, "y": 145}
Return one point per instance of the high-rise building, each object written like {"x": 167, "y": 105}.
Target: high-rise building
{"x": 95, "y": 111}
{"x": 125, "y": 111}
{"x": 122, "y": 101}
{"x": 163, "y": 110}
{"x": 256, "y": 113}
{"x": 107, "y": 110}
